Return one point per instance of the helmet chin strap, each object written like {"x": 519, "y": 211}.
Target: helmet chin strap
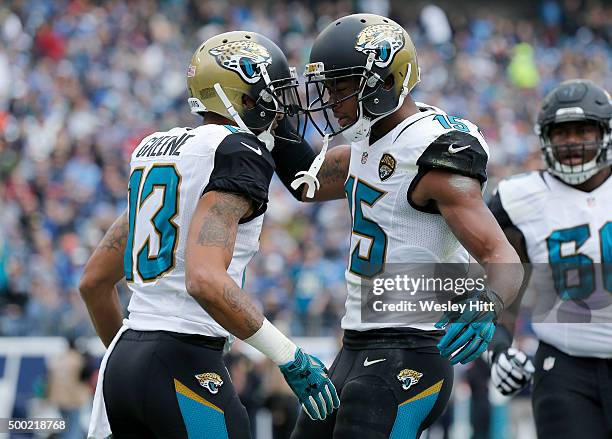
{"x": 360, "y": 130}
{"x": 571, "y": 176}
{"x": 574, "y": 178}
{"x": 309, "y": 178}
{"x": 577, "y": 174}
{"x": 266, "y": 136}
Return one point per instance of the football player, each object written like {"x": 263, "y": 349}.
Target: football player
{"x": 560, "y": 218}
{"x": 196, "y": 199}
{"x": 413, "y": 176}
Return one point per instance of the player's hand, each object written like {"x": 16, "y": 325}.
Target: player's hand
{"x": 468, "y": 333}
{"x": 511, "y": 371}
{"x": 307, "y": 377}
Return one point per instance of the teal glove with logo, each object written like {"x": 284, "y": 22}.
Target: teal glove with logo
{"x": 307, "y": 377}
{"x": 468, "y": 333}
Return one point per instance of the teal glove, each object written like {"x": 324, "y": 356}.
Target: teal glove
{"x": 307, "y": 377}
{"x": 468, "y": 334}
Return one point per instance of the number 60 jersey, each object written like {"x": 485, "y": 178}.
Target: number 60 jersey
{"x": 568, "y": 238}
{"x": 170, "y": 171}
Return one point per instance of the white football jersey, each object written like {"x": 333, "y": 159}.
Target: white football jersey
{"x": 170, "y": 171}
{"x": 387, "y": 229}
{"x": 561, "y": 224}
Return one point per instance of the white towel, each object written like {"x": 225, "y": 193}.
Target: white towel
{"x": 99, "y": 427}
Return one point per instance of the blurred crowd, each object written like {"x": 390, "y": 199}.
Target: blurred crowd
{"x": 81, "y": 82}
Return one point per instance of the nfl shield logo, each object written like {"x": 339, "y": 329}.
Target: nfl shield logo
{"x": 549, "y": 363}
{"x": 191, "y": 71}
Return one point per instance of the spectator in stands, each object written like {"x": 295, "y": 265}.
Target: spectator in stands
{"x": 68, "y": 389}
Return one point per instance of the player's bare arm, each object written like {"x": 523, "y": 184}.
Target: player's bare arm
{"x": 210, "y": 245}
{"x": 510, "y": 313}
{"x": 517, "y": 240}
{"x": 511, "y": 369}
{"x": 332, "y": 175}
{"x": 459, "y": 200}
{"x": 100, "y": 276}
{"x": 294, "y": 157}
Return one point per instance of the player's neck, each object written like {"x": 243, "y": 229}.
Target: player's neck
{"x": 386, "y": 124}
{"x": 213, "y": 118}
{"x": 595, "y": 181}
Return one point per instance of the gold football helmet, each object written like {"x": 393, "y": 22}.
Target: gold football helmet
{"x": 233, "y": 64}
{"x": 369, "y": 48}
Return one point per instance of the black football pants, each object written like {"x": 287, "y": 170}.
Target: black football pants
{"x": 572, "y": 396}
{"x": 391, "y": 383}
{"x": 151, "y": 389}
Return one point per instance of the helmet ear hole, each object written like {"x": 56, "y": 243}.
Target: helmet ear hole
{"x": 247, "y": 102}
{"x": 389, "y": 82}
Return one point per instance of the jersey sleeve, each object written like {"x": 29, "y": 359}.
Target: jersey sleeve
{"x": 457, "y": 152}
{"x": 505, "y": 222}
{"x": 243, "y": 165}
{"x": 497, "y": 208}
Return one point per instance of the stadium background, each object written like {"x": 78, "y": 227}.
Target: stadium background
{"x": 81, "y": 82}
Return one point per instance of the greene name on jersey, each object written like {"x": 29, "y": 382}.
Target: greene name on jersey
{"x": 170, "y": 171}
{"x": 387, "y": 227}
{"x": 567, "y": 235}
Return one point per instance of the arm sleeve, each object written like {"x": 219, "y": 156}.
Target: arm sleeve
{"x": 244, "y": 166}
{"x": 456, "y": 152}
{"x": 291, "y": 157}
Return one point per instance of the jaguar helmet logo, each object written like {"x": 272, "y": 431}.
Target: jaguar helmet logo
{"x": 383, "y": 40}
{"x": 242, "y": 57}
{"x": 210, "y": 381}
{"x": 409, "y": 378}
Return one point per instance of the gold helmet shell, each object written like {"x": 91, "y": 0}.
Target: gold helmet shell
{"x": 371, "y": 48}
{"x": 242, "y": 63}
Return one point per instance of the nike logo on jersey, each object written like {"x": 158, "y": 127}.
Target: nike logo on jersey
{"x": 367, "y": 363}
{"x": 255, "y": 150}
{"x": 454, "y": 150}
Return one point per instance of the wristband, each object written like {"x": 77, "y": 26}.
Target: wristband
{"x": 493, "y": 298}
{"x": 273, "y": 344}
